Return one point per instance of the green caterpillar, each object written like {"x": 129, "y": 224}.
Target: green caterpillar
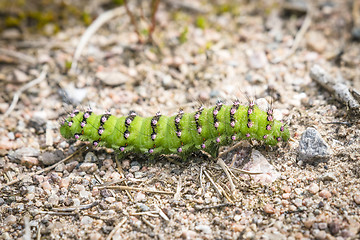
{"x": 206, "y": 129}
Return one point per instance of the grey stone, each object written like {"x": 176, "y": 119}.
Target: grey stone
{"x": 16, "y": 156}
{"x": 312, "y": 148}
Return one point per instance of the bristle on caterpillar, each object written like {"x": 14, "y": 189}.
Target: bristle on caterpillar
{"x": 205, "y": 129}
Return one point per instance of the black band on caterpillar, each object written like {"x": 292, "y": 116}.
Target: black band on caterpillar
{"x": 206, "y": 129}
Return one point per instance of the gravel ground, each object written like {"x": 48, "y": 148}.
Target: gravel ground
{"x": 200, "y": 53}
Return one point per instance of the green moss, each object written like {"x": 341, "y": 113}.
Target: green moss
{"x": 11, "y": 21}
{"x": 86, "y": 18}
{"x": 201, "y": 22}
{"x": 183, "y": 35}
{"x": 118, "y": 2}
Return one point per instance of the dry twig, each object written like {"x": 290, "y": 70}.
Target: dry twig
{"x": 80, "y": 207}
{"x": 18, "y": 55}
{"x": 137, "y": 189}
{"x": 340, "y": 90}
{"x": 101, "y": 20}
{"x": 226, "y": 170}
{"x": 299, "y": 36}
{"x": 24, "y": 88}
{"x": 42, "y": 170}
{"x": 116, "y": 229}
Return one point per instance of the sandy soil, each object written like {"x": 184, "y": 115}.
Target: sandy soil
{"x": 200, "y": 53}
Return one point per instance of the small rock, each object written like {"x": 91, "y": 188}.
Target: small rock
{"x": 342, "y": 132}
{"x": 316, "y": 41}
{"x": 64, "y": 182}
{"x": 258, "y": 163}
{"x": 330, "y": 176}
{"x": 9, "y": 220}
{"x": 322, "y": 226}
{"x": 312, "y": 148}
{"x": 23, "y": 152}
{"x": 237, "y": 227}
{"x": 71, "y": 165}
{"x": 286, "y": 195}
{"x": 357, "y": 198}
{"x": 53, "y": 200}
{"x": 237, "y": 217}
{"x": 125, "y": 164}
{"x": 314, "y": 188}
{"x": 74, "y": 95}
{"x": 325, "y": 194}
{"x": 88, "y": 167}
{"x": 86, "y": 220}
{"x": 321, "y": 235}
{"x": 355, "y": 33}
{"x": 108, "y": 163}
{"x": 204, "y": 228}
{"x": 140, "y": 197}
{"x": 269, "y": 208}
{"x": 84, "y": 194}
{"x": 334, "y": 227}
{"x": 113, "y": 78}
{"x": 95, "y": 236}
{"x": 309, "y": 223}
{"x": 273, "y": 236}
{"x": 286, "y": 189}
{"x": 134, "y": 169}
{"x": 90, "y": 157}
{"x": 188, "y": 234}
{"x": 297, "y": 202}
{"x": 29, "y": 161}
{"x": 298, "y": 236}
{"x": 11, "y": 34}
{"x": 50, "y": 158}
{"x": 20, "y": 76}
{"x": 143, "y": 207}
{"x": 110, "y": 199}
{"x": 46, "y": 186}
{"x": 257, "y": 60}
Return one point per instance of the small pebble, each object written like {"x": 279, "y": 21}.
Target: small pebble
{"x": 143, "y": 207}
{"x": 320, "y": 235}
{"x": 134, "y": 169}
{"x": 314, "y": 188}
{"x": 237, "y": 217}
{"x": 29, "y": 161}
{"x": 110, "y": 199}
{"x": 188, "y": 234}
{"x": 9, "y": 220}
{"x": 46, "y": 186}
{"x": 50, "y": 158}
{"x": 286, "y": 189}
{"x": 357, "y": 198}
{"x": 88, "y": 167}
{"x": 309, "y": 223}
{"x": 322, "y": 225}
{"x": 86, "y": 220}
{"x": 139, "y": 197}
{"x": 71, "y": 166}
{"x": 125, "y": 164}
{"x": 329, "y": 176}
{"x": 286, "y": 195}
{"x": 236, "y": 227}
{"x": 204, "y": 228}
{"x": 334, "y": 227}
{"x": 316, "y": 41}
{"x": 95, "y": 236}
{"x": 269, "y": 208}
{"x": 297, "y": 202}
{"x": 325, "y": 194}
{"x": 312, "y": 148}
